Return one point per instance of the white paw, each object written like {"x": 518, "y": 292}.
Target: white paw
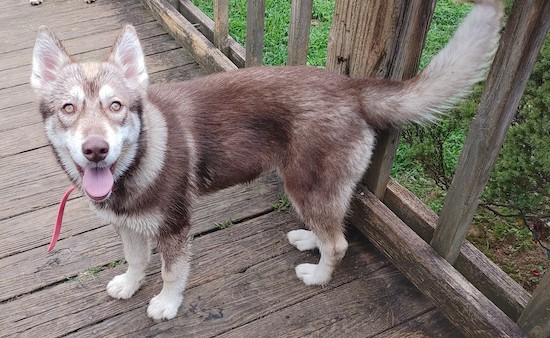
{"x": 302, "y": 239}
{"x": 36, "y": 2}
{"x": 123, "y": 286}
{"x": 163, "y": 306}
{"x": 310, "y": 274}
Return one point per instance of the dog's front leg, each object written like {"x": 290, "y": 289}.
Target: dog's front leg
{"x": 137, "y": 252}
{"x": 174, "y": 251}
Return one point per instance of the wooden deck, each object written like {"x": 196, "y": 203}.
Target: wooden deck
{"x": 242, "y": 282}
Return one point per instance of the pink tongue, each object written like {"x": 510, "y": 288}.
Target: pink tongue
{"x": 98, "y": 182}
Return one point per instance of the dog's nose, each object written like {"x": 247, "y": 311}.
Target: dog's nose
{"x": 95, "y": 149}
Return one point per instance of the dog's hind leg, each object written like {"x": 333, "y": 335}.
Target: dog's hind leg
{"x": 320, "y": 188}
{"x": 174, "y": 251}
{"x": 323, "y": 211}
{"x": 137, "y": 252}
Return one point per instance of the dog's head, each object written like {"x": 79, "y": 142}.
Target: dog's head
{"x": 91, "y": 111}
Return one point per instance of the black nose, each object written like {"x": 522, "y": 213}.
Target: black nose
{"x": 95, "y": 149}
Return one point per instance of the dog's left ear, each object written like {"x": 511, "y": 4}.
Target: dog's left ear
{"x": 127, "y": 53}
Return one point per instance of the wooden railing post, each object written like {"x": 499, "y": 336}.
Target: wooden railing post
{"x": 520, "y": 45}
{"x": 535, "y": 318}
{"x": 298, "y": 36}
{"x": 255, "y": 12}
{"x": 386, "y": 42}
{"x": 221, "y": 25}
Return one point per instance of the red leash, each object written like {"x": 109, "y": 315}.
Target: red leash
{"x": 59, "y": 218}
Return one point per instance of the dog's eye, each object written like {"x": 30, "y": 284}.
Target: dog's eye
{"x": 116, "y": 106}
{"x": 68, "y": 108}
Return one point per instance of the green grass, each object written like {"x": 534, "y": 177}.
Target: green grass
{"x": 93, "y": 271}
{"x": 277, "y": 20}
{"x": 224, "y": 224}
{"x": 282, "y": 204}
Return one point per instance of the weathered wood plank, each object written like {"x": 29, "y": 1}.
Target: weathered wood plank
{"x": 298, "y": 36}
{"x": 411, "y": 28}
{"x": 520, "y": 45}
{"x": 75, "y": 26}
{"x": 180, "y": 73}
{"x": 185, "y": 33}
{"x": 236, "y": 52}
{"x": 34, "y": 229}
{"x": 485, "y": 275}
{"x": 24, "y": 190}
{"x": 429, "y": 325}
{"x": 263, "y": 288}
{"x": 358, "y": 309}
{"x": 78, "y": 44}
{"x": 534, "y": 319}
{"x": 255, "y": 13}
{"x": 35, "y": 268}
{"x": 465, "y": 306}
{"x": 66, "y": 7}
{"x": 243, "y": 246}
{"x": 378, "y": 173}
{"x": 221, "y": 25}
{"x": 152, "y": 38}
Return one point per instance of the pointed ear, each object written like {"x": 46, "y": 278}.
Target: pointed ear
{"x": 127, "y": 53}
{"x": 49, "y": 56}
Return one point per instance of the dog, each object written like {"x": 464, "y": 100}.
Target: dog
{"x": 38, "y": 2}
{"x": 143, "y": 153}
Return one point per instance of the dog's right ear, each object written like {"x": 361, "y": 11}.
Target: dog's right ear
{"x": 48, "y": 57}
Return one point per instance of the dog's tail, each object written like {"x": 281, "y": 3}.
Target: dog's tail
{"x": 447, "y": 78}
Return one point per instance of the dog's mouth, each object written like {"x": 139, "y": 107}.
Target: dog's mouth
{"x": 97, "y": 182}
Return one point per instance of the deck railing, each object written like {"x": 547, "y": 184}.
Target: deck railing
{"x": 430, "y": 250}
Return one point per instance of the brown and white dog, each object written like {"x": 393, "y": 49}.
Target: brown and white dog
{"x": 143, "y": 153}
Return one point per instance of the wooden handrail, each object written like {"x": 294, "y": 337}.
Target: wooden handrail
{"x": 205, "y": 25}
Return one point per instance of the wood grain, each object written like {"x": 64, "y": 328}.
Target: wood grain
{"x": 208, "y": 56}
{"x": 353, "y": 310}
{"x": 235, "y": 203}
{"x": 466, "y": 307}
{"x": 262, "y": 239}
{"x": 485, "y": 275}
{"x": 386, "y": 42}
{"x": 255, "y": 13}
{"x": 260, "y": 288}
{"x": 298, "y": 36}
{"x": 221, "y": 25}
{"x": 236, "y": 52}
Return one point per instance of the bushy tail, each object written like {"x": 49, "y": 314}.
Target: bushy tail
{"x": 449, "y": 76}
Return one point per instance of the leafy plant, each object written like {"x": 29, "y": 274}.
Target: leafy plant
{"x": 282, "y": 204}
{"x": 224, "y": 224}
